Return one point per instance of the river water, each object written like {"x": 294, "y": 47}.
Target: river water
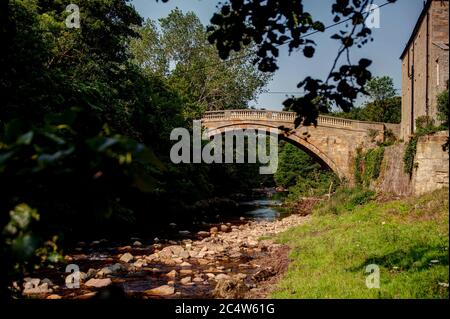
{"x": 263, "y": 209}
{"x": 99, "y": 254}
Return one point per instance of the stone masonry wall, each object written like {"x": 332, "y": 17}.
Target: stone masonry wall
{"x": 432, "y": 164}
{"x": 393, "y": 178}
{"x": 431, "y": 172}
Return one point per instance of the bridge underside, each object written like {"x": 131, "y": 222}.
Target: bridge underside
{"x": 299, "y": 141}
{"x": 333, "y": 142}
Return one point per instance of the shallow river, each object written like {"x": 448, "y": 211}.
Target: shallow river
{"x": 134, "y": 281}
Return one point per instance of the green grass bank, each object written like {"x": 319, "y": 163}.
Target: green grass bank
{"x": 407, "y": 239}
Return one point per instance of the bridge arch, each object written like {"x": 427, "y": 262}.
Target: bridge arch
{"x": 302, "y": 143}
{"x": 334, "y": 142}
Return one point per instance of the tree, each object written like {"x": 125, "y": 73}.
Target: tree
{"x": 147, "y": 51}
{"x": 293, "y": 163}
{"x": 71, "y": 127}
{"x": 381, "y": 88}
{"x": 302, "y": 174}
{"x": 383, "y": 105}
{"x": 181, "y": 53}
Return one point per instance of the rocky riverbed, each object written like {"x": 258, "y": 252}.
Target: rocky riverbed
{"x": 228, "y": 261}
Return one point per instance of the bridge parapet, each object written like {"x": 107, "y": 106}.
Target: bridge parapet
{"x": 289, "y": 117}
{"x": 246, "y": 114}
{"x": 333, "y": 121}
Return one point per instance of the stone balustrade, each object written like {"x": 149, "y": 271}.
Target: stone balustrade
{"x": 249, "y": 114}
{"x": 289, "y": 117}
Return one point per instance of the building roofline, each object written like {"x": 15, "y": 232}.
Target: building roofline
{"x": 417, "y": 26}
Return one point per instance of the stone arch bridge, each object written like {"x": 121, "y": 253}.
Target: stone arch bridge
{"x": 333, "y": 142}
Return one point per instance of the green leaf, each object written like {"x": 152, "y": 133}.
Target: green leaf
{"x": 100, "y": 143}
{"x": 55, "y": 138}
{"x": 20, "y": 219}
{"x": 26, "y": 138}
{"x": 45, "y": 159}
{"x": 319, "y": 26}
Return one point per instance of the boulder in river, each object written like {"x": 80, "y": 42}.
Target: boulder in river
{"x": 87, "y": 295}
{"x": 252, "y": 243}
{"x": 169, "y": 251}
{"x": 186, "y": 280}
{"x": 164, "y": 290}
{"x": 105, "y": 271}
{"x": 198, "y": 279}
{"x": 222, "y": 277}
{"x": 236, "y": 255}
{"x": 137, "y": 244}
{"x": 91, "y": 273}
{"x": 140, "y": 263}
{"x": 202, "y": 261}
{"x": 172, "y": 274}
{"x": 117, "y": 267}
{"x": 168, "y": 261}
{"x": 193, "y": 253}
{"x": 203, "y": 234}
{"x": 152, "y": 257}
{"x": 98, "y": 283}
{"x": 185, "y": 271}
{"x": 126, "y": 258}
{"x": 185, "y": 254}
{"x": 213, "y": 230}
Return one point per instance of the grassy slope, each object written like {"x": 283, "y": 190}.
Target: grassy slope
{"x": 407, "y": 238}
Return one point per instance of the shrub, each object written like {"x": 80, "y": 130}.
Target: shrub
{"x": 368, "y": 166}
{"x": 302, "y": 175}
{"x": 442, "y": 107}
{"x": 389, "y": 138}
{"x": 345, "y": 199}
{"x": 322, "y": 183}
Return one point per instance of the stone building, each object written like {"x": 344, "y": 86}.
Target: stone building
{"x": 425, "y": 65}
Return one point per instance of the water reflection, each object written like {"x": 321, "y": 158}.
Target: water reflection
{"x": 263, "y": 209}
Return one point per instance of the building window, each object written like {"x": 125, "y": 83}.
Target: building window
{"x": 438, "y": 76}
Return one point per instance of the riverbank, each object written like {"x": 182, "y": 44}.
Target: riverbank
{"x": 318, "y": 255}
{"x": 228, "y": 261}
{"x": 407, "y": 239}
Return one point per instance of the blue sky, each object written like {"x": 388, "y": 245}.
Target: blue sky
{"x": 396, "y": 24}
